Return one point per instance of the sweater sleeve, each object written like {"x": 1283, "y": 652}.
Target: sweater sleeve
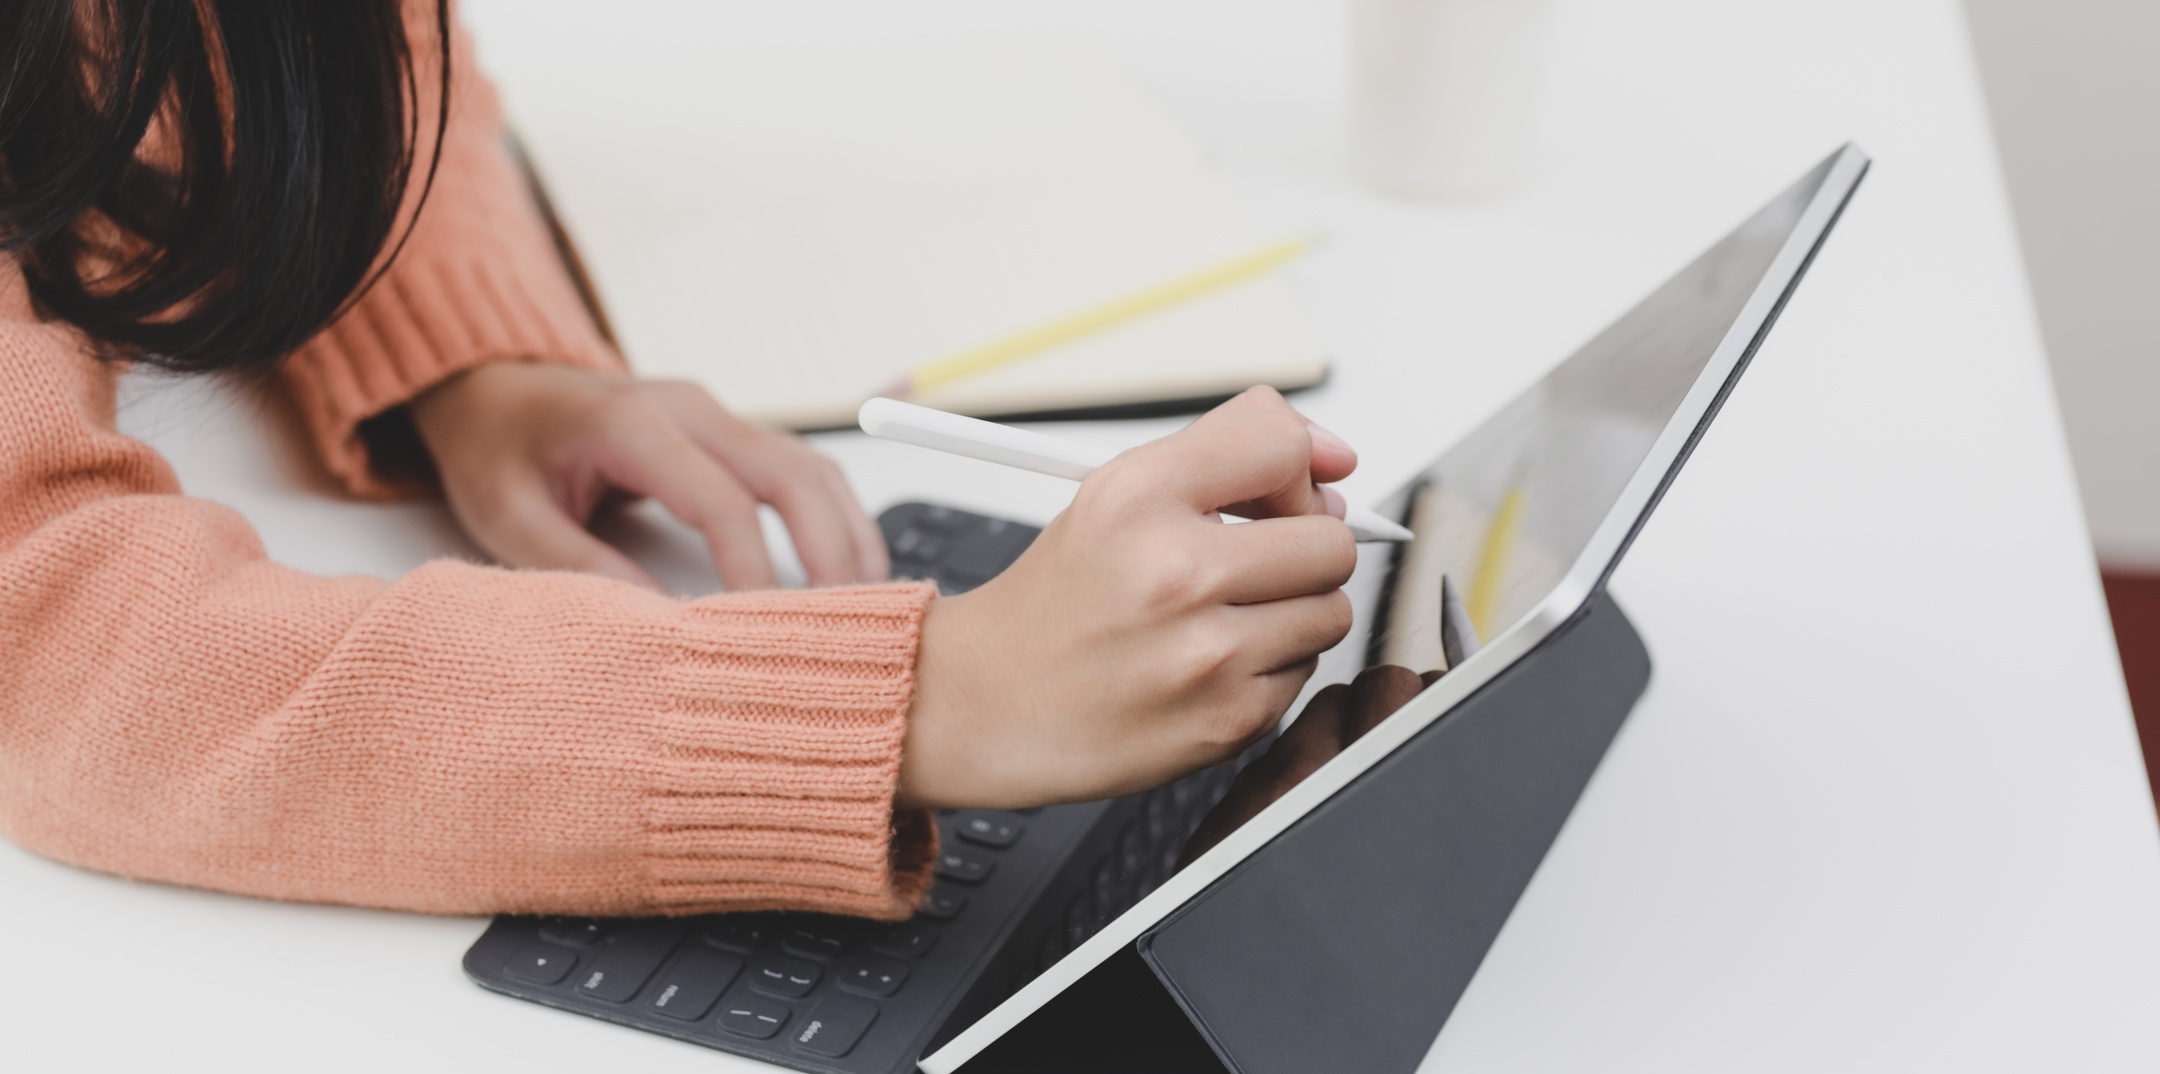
{"x": 173, "y": 707}
{"x": 479, "y": 279}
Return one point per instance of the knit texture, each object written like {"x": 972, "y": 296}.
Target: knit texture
{"x": 467, "y": 739}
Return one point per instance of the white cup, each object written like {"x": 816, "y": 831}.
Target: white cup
{"x": 1446, "y": 93}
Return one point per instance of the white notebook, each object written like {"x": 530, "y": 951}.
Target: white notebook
{"x": 796, "y": 230}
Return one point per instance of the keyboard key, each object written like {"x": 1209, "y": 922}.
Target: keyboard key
{"x": 627, "y": 957}
{"x": 788, "y": 977}
{"x": 818, "y": 942}
{"x": 574, "y": 931}
{"x": 904, "y": 940}
{"x": 1218, "y": 783}
{"x": 1132, "y": 850}
{"x": 1185, "y": 795}
{"x": 1079, "y": 921}
{"x": 540, "y": 964}
{"x": 869, "y": 975}
{"x": 1162, "y": 819}
{"x": 988, "y": 548}
{"x": 689, "y": 987}
{"x": 944, "y": 520}
{"x": 941, "y": 903}
{"x": 834, "y": 1026}
{"x": 965, "y": 868}
{"x": 989, "y": 830}
{"x": 914, "y": 544}
{"x": 738, "y": 935}
{"x": 749, "y": 1016}
{"x": 1112, "y": 888}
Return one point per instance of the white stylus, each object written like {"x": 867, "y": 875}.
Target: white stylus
{"x": 891, "y": 419}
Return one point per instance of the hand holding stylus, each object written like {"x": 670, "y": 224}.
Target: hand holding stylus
{"x": 1139, "y": 638}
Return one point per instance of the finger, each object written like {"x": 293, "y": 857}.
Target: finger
{"x": 1278, "y": 558}
{"x": 780, "y": 470}
{"x": 1332, "y": 458}
{"x": 1374, "y": 696}
{"x": 1281, "y": 634}
{"x": 527, "y": 527}
{"x": 872, "y": 562}
{"x": 818, "y": 523}
{"x": 1253, "y": 451}
{"x": 865, "y": 543}
{"x": 656, "y": 459}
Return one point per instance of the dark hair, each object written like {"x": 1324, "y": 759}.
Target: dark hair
{"x": 287, "y": 133}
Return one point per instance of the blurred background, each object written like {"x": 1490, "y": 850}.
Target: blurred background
{"x": 2074, "y": 90}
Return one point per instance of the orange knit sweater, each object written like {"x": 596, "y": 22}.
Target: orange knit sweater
{"x": 466, "y": 739}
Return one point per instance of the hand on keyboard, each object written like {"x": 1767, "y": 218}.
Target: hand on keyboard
{"x": 1332, "y": 720}
{"x": 1139, "y": 637}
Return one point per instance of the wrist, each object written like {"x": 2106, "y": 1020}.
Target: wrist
{"x": 436, "y": 407}
{"x": 925, "y": 755}
{"x": 947, "y": 759}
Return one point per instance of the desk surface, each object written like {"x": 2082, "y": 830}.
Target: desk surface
{"x": 1882, "y": 805}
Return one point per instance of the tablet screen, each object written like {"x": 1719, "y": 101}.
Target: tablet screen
{"x": 1505, "y": 514}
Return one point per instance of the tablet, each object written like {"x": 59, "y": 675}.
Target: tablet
{"x": 1518, "y": 526}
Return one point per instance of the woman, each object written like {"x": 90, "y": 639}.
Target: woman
{"x": 319, "y": 193}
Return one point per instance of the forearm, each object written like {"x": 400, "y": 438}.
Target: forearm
{"x": 465, "y": 740}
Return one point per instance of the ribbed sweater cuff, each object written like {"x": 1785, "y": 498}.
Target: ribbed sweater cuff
{"x": 421, "y": 323}
{"x": 775, "y": 756}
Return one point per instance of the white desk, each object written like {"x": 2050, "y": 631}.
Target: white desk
{"x": 1882, "y": 806}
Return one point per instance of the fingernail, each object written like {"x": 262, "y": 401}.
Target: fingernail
{"x": 1336, "y": 505}
{"x": 1322, "y": 438}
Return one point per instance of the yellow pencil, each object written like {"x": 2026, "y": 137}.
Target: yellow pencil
{"x": 1491, "y": 575}
{"x": 1087, "y": 322}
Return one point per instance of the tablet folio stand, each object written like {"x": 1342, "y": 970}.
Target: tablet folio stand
{"x": 1345, "y": 943}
